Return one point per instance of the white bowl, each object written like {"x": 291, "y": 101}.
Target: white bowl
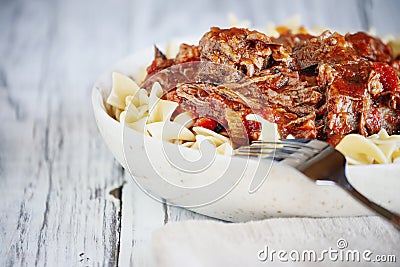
{"x": 285, "y": 192}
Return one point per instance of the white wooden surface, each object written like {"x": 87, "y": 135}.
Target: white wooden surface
{"x": 56, "y": 173}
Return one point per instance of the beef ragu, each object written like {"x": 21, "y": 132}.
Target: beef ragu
{"x": 321, "y": 87}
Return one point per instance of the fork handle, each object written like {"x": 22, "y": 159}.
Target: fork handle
{"x": 391, "y": 216}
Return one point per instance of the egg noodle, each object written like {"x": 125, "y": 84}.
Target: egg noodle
{"x": 378, "y": 148}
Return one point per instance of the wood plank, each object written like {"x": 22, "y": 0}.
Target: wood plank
{"x": 141, "y": 214}
{"x": 56, "y": 172}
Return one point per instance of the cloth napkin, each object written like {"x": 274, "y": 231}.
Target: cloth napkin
{"x": 215, "y": 243}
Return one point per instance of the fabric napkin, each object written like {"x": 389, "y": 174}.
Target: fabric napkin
{"x": 214, "y": 243}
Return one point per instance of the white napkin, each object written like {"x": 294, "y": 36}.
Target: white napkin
{"x": 213, "y": 243}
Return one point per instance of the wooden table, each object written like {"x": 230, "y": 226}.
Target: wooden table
{"x": 65, "y": 200}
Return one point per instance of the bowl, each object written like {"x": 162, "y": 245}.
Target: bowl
{"x": 221, "y": 189}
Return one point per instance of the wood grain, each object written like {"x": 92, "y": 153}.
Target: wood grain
{"x": 56, "y": 173}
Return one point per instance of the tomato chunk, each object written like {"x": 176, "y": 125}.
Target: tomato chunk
{"x": 388, "y": 76}
{"x": 206, "y": 123}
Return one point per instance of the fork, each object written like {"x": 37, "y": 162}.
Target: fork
{"x": 318, "y": 160}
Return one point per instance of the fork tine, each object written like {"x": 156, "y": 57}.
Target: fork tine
{"x": 293, "y": 152}
{"x": 287, "y": 142}
{"x": 297, "y": 141}
{"x": 287, "y": 150}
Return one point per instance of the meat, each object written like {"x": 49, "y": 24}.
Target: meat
{"x": 283, "y": 88}
{"x": 245, "y": 50}
{"x": 160, "y": 62}
{"x": 328, "y": 48}
{"x": 321, "y": 87}
{"x": 290, "y": 40}
{"x": 370, "y": 48}
{"x": 221, "y": 104}
{"x": 335, "y": 48}
{"x": 346, "y": 97}
{"x": 359, "y": 97}
{"x": 187, "y": 53}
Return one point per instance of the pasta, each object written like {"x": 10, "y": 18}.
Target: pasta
{"x": 123, "y": 86}
{"x": 269, "y": 130}
{"x": 151, "y": 115}
{"x": 378, "y": 148}
{"x": 221, "y": 142}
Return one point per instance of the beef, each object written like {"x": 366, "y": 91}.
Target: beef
{"x": 187, "y": 53}
{"x": 346, "y": 97}
{"x": 245, "y": 50}
{"x": 327, "y": 48}
{"x": 335, "y": 48}
{"x": 359, "y": 99}
{"x": 160, "y": 62}
{"x": 321, "y": 87}
{"x": 221, "y": 104}
{"x": 290, "y": 40}
{"x": 369, "y": 47}
{"x": 283, "y": 88}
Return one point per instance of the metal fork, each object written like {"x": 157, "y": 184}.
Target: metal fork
{"x": 317, "y": 160}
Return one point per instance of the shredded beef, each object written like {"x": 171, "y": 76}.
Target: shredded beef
{"x": 321, "y": 87}
{"x": 370, "y": 48}
{"x": 248, "y": 51}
